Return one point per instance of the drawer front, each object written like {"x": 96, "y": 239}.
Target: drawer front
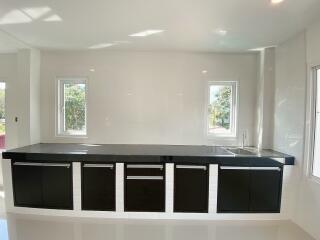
{"x": 191, "y": 188}
{"x": 145, "y": 187}
{"x": 98, "y": 187}
{"x": 145, "y": 195}
{"x": 144, "y": 169}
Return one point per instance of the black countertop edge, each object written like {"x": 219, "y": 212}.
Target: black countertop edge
{"x": 225, "y": 161}
{"x": 220, "y": 160}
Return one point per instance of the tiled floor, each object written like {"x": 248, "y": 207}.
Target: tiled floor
{"x": 27, "y": 227}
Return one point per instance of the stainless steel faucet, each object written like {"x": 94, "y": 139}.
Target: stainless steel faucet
{"x": 244, "y": 137}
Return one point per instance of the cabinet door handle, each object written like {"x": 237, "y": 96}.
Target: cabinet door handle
{"x": 235, "y": 168}
{"x": 144, "y": 177}
{"x": 67, "y": 165}
{"x": 252, "y": 168}
{"x": 266, "y": 168}
{"x": 145, "y": 166}
{"x": 28, "y": 164}
{"x": 191, "y": 167}
{"x": 98, "y": 166}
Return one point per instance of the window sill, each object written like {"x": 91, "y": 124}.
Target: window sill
{"x": 71, "y": 136}
{"x": 221, "y": 136}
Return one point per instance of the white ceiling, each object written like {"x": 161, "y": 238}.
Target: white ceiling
{"x": 10, "y": 44}
{"x": 188, "y": 24}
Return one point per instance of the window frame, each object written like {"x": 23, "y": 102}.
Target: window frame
{"x": 59, "y": 108}
{"x": 234, "y": 112}
{"x": 313, "y": 121}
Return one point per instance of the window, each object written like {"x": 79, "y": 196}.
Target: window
{"x": 222, "y": 104}
{"x": 316, "y": 149}
{"x": 72, "y": 107}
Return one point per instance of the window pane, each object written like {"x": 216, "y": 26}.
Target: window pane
{"x": 74, "y": 108}
{"x": 316, "y": 154}
{"x": 220, "y": 109}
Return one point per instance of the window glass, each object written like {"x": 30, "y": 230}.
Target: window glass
{"x": 73, "y": 107}
{"x": 221, "y": 108}
{"x": 316, "y": 155}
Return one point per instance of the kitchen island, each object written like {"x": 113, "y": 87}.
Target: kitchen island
{"x": 148, "y": 181}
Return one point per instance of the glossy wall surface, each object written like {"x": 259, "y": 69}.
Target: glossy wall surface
{"x": 147, "y": 97}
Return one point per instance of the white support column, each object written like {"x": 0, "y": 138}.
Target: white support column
{"x": 119, "y": 187}
{"x": 213, "y": 188}
{"x": 76, "y": 169}
{"x": 169, "y": 187}
{"x": 7, "y": 184}
{"x": 288, "y": 190}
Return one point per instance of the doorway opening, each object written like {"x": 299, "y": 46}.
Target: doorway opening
{"x": 2, "y": 116}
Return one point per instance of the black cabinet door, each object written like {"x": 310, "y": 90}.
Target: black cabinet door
{"x": 233, "y": 190}
{"x": 27, "y": 185}
{"x": 265, "y": 190}
{"x": 191, "y": 188}
{"x": 145, "y": 195}
{"x": 98, "y": 187}
{"x": 145, "y": 188}
{"x": 57, "y": 186}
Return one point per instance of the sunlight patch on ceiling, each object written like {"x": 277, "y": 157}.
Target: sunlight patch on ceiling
{"x": 36, "y": 12}
{"x": 53, "y": 18}
{"x": 27, "y": 15}
{"x": 14, "y": 17}
{"x": 102, "y": 45}
{"x": 146, "y": 33}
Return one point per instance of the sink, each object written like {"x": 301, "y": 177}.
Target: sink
{"x": 240, "y": 151}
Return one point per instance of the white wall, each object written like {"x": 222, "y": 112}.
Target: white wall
{"x": 294, "y": 60}
{"x": 147, "y": 97}
{"x": 289, "y": 110}
{"x": 308, "y": 207}
{"x": 265, "y": 99}
{"x": 21, "y": 72}
{"x": 34, "y": 82}
{"x": 8, "y": 74}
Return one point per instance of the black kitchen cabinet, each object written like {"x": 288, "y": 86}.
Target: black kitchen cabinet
{"x": 42, "y": 185}
{"x": 144, "y": 188}
{"x": 57, "y": 186}
{"x": 98, "y": 187}
{"x": 191, "y": 188}
{"x": 233, "y": 190}
{"x": 265, "y": 195}
{"x": 27, "y": 185}
{"x": 249, "y": 189}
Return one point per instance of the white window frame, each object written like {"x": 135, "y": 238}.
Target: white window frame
{"x": 311, "y": 115}
{"x": 60, "y": 132}
{"x": 234, "y": 111}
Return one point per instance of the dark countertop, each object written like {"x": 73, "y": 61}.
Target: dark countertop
{"x": 144, "y": 153}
